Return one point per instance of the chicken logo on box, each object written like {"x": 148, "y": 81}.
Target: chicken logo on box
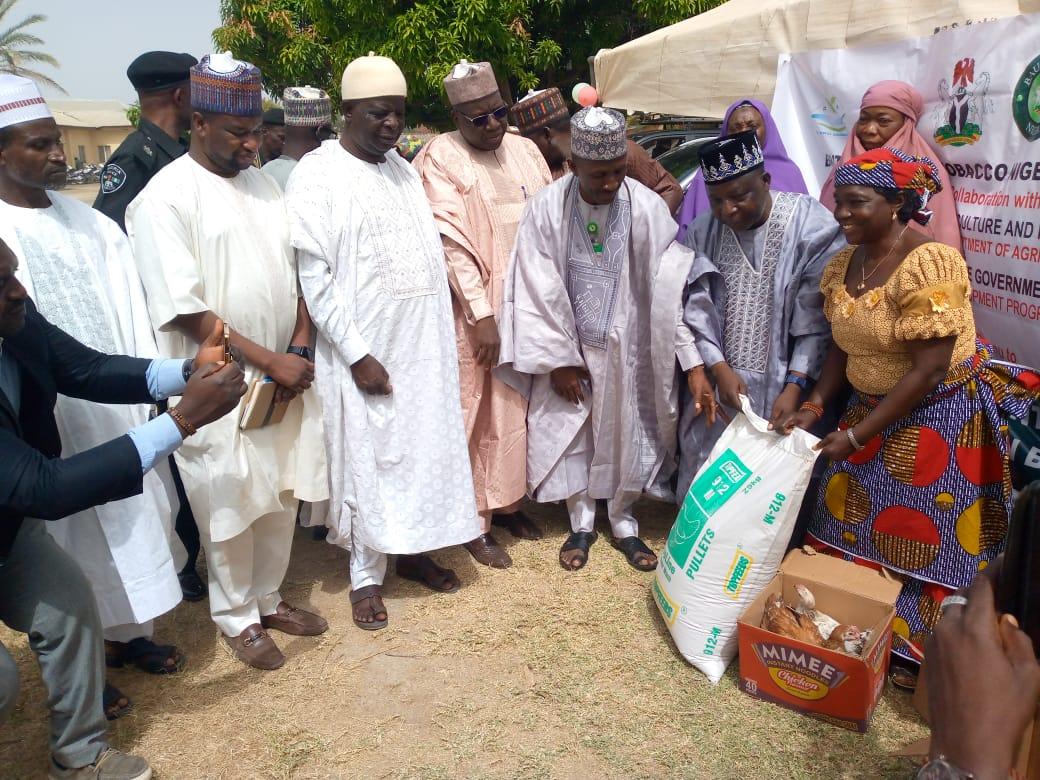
{"x": 798, "y": 672}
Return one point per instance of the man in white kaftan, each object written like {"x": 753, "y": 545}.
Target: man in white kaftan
{"x": 373, "y": 274}
{"x": 77, "y": 266}
{"x": 754, "y": 298}
{"x": 211, "y": 239}
{"x": 591, "y": 333}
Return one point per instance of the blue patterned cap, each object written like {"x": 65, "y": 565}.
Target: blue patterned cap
{"x": 598, "y": 134}
{"x": 731, "y": 156}
{"x": 221, "y": 84}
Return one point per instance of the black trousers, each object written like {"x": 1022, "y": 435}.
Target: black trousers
{"x": 185, "y": 526}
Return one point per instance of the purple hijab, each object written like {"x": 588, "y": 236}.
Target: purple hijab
{"x": 785, "y": 174}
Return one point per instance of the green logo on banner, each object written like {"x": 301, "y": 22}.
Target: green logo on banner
{"x": 1025, "y": 101}
{"x": 709, "y": 492}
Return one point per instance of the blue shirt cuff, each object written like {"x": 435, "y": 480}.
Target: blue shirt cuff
{"x": 165, "y": 378}
{"x": 155, "y": 440}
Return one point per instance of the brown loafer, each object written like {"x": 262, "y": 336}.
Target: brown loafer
{"x": 295, "y": 621}
{"x": 255, "y": 647}
{"x": 485, "y": 549}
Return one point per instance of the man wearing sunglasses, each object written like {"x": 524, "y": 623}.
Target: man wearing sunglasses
{"x": 308, "y": 123}
{"x": 478, "y": 180}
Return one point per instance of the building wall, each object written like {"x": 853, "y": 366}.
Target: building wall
{"x": 82, "y": 143}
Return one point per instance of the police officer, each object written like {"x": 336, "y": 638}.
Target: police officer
{"x": 161, "y": 81}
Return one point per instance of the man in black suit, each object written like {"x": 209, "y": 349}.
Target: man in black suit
{"x": 43, "y": 593}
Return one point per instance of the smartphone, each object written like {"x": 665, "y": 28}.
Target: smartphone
{"x": 1018, "y": 590}
{"x": 227, "y": 343}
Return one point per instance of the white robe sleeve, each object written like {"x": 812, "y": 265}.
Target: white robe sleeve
{"x": 164, "y": 250}
{"x": 327, "y": 287}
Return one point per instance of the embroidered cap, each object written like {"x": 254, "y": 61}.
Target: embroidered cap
{"x": 598, "y": 134}
{"x": 307, "y": 107}
{"x": 371, "y": 77}
{"x": 538, "y": 109}
{"x": 20, "y": 101}
{"x": 731, "y": 156}
{"x": 469, "y": 81}
{"x": 223, "y": 85}
{"x": 892, "y": 169}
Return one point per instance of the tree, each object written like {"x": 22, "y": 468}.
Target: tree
{"x": 15, "y": 47}
{"x": 133, "y": 113}
{"x": 531, "y": 43}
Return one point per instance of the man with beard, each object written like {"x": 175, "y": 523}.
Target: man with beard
{"x": 78, "y": 267}
{"x": 591, "y": 334}
{"x": 211, "y": 240}
{"x": 754, "y": 299}
{"x": 478, "y": 180}
{"x": 372, "y": 272}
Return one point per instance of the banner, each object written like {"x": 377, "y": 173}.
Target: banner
{"x": 981, "y": 85}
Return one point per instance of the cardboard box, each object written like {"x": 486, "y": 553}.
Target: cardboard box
{"x": 826, "y": 684}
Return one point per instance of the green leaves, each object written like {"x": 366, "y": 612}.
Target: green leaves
{"x": 530, "y": 43}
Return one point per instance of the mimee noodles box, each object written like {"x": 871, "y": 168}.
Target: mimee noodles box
{"x": 834, "y": 686}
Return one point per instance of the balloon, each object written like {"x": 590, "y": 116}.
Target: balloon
{"x": 588, "y": 96}
{"x": 577, "y": 89}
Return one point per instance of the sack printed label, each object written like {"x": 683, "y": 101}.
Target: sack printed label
{"x": 738, "y": 572}
{"x": 798, "y": 672}
{"x": 709, "y": 493}
{"x": 668, "y": 608}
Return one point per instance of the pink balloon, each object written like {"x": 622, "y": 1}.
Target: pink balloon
{"x": 588, "y": 96}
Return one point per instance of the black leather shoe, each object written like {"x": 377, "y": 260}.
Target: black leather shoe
{"x": 192, "y": 586}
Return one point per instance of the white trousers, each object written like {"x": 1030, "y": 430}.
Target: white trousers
{"x": 246, "y": 571}
{"x": 582, "y": 509}
{"x": 367, "y": 566}
{"x": 130, "y": 631}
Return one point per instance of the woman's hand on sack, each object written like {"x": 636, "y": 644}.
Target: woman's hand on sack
{"x": 983, "y": 683}
{"x": 730, "y": 386}
{"x": 702, "y": 393}
{"x": 803, "y": 418}
{"x": 836, "y": 446}
{"x": 567, "y": 383}
{"x": 785, "y": 406}
{"x": 370, "y": 376}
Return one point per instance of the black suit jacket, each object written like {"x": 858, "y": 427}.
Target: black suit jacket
{"x": 34, "y": 480}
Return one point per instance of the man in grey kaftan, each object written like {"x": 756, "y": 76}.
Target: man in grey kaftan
{"x": 753, "y": 299}
{"x": 591, "y": 330}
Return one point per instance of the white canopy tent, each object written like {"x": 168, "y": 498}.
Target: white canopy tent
{"x": 699, "y": 66}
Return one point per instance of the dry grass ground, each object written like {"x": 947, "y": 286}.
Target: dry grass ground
{"x": 529, "y": 672}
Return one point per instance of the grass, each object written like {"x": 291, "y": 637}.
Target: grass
{"x": 530, "y": 672}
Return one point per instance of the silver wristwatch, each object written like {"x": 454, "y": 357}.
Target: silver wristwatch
{"x": 941, "y": 769}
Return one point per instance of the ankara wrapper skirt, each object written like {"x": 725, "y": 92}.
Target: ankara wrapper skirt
{"x": 930, "y": 497}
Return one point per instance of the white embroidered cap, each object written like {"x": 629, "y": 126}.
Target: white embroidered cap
{"x": 20, "y": 101}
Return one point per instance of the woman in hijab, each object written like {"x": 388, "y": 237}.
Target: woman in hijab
{"x": 746, "y": 115}
{"x": 888, "y": 116}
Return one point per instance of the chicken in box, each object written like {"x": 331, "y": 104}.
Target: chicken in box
{"x": 827, "y": 652}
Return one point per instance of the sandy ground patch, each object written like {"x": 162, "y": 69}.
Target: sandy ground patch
{"x": 530, "y": 672}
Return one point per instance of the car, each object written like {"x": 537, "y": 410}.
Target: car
{"x": 684, "y": 160}
{"x": 658, "y": 142}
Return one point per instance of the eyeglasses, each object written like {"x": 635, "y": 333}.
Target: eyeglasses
{"x": 482, "y": 120}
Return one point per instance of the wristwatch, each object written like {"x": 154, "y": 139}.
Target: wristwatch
{"x": 803, "y": 382}
{"x": 186, "y": 370}
{"x": 941, "y": 769}
{"x": 305, "y": 352}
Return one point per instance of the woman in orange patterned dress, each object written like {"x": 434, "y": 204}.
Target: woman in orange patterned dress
{"x": 919, "y": 475}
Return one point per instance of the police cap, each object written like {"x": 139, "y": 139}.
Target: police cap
{"x": 159, "y": 70}
{"x": 274, "y": 116}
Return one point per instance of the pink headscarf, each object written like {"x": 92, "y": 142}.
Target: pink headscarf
{"x": 907, "y": 101}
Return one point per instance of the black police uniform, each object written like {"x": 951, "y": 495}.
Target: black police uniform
{"x": 142, "y": 155}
